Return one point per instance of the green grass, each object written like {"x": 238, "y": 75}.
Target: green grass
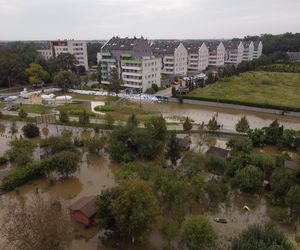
{"x": 35, "y": 108}
{"x": 74, "y": 109}
{"x": 264, "y": 88}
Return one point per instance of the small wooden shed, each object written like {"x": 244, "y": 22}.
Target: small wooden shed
{"x": 84, "y": 210}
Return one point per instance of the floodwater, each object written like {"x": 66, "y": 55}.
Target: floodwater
{"x": 227, "y": 117}
{"x": 97, "y": 174}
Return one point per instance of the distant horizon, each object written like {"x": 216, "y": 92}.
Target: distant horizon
{"x": 106, "y": 39}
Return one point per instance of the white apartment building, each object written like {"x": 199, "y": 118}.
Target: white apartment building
{"x": 174, "y": 57}
{"x": 141, "y": 74}
{"x": 234, "y": 52}
{"x": 198, "y": 55}
{"x": 74, "y": 47}
{"x": 258, "y": 48}
{"x": 216, "y": 54}
{"x": 248, "y": 51}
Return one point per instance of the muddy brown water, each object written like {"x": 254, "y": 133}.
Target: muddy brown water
{"x": 97, "y": 174}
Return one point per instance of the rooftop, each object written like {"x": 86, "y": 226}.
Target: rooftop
{"x": 164, "y": 47}
{"x": 123, "y": 44}
{"x": 224, "y": 153}
{"x": 85, "y": 205}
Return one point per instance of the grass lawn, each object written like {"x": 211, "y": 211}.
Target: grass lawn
{"x": 256, "y": 87}
{"x": 35, "y": 108}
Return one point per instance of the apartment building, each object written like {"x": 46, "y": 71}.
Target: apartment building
{"x": 234, "y": 52}
{"x": 248, "y": 51}
{"x": 133, "y": 58}
{"x": 216, "y": 57}
{"x": 198, "y": 56}
{"x": 174, "y": 57}
{"x": 258, "y": 48}
{"x": 74, "y": 47}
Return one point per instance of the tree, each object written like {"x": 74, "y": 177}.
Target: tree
{"x": 20, "y": 152}
{"x": 84, "y": 118}
{"x": 65, "y": 79}
{"x": 257, "y": 137}
{"x": 64, "y": 163}
{"x": 129, "y": 209}
{"x": 192, "y": 164}
{"x": 96, "y": 144}
{"x": 169, "y": 231}
{"x": 293, "y": 198}
{"x": 66, "y": 62}
{"x": 39, "y": 223}
{"x": 115, "y": 81}
{"x": 132, "y": 120}
{"x": 213, "y": 123}
{"x": 240, "y": 144}
{"x": 273, "y": 133}
{"x": 63, "y": 116}
{"x": 242, "y": 125}
{"x": 198, "y": 187}
{"x": 36, "y": 74}
{"x": 249, "y": 179}
{"x": 30, "y": 130}
{"x": 261, "y": 237}
{"x": 199, "y": 234}
{"x": 187, "y": 125}
{"x": 22, "y": 114}
{"x": 173, "y": 150}
{"x": 281, "y": 181}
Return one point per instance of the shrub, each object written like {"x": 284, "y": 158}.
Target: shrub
{"x": 63, "y": 116}
{"x": 3, "y": 160}
{"x": 21, "y": 175}
{"x": 22, "y": 113}
{"x": 106, "y": 108}
{"x": 30, "y": 130}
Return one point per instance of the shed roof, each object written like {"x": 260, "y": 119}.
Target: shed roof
{"x": 294, "y": 56}
{"x": 86, "y": 205}
{"x": 224, "y": 153}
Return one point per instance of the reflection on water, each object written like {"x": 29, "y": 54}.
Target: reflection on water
{"x": 227, "y": 117}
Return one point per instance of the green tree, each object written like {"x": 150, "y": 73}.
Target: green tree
{"x": 242, "y": 125}
{"x": 22, "y": 113}
{"x": 84, "y": 118}
{"x": 115, "y": 81}
{"x": 64, "y": 79}
{"x": 129, "y": 209}
{"x": 30, "y": 130}
{"x": 198, "y": 187}
{"x": 281, "y": 181}
{"x": 63, "y": 116}
{"x": 173, "y": 150}
{"x": 96, "y": 144}
{"x": 132, "y": 120}
{"x": 249, "y": 179}
{"x": 261, "y": 237}
{"x": 169, "y": 231}
{"x": 273, "y": 133}
{"x": 199, "y": 234}
{"x": 293, "y": 198}
{"x": 258, "y": 137}
{"x": 36, "y": 74}
{"x": 187, "y": 125}
{"x": 213, "y": 123}
{"x": 240, "y": 144}
{"x": 20, "y": 152}
{"x": 192, "y": 164}
{"x": 66, "y": 62}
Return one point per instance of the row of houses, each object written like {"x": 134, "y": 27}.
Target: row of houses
{"x": 141, "y": 62}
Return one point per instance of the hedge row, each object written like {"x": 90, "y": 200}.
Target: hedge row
{"x": 22, "y": 175}
{"x": 235, "y": 102}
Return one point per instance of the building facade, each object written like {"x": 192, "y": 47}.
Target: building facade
{"x": 216, "y": 54}
{"x": 198, "y": 56}
{"x": 258, "y": 49}
{"x": 74, "y": 47}
{"x": 234, "y": 52}
{"x": 174, "y": 57}
{"x": 133, "y": 58}
{"x": 248, "y": 51}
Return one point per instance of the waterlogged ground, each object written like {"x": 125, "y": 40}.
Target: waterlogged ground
{"x": 97, "y": 174}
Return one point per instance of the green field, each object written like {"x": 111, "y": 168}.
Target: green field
{"x": 262, "y": 88}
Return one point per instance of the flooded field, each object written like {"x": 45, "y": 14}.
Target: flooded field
{"x": 97, "y": 174}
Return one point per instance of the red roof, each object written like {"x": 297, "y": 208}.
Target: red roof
{"x": 86, "y": 205}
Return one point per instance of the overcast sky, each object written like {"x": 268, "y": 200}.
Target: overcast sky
{"x": 102, "y": 19}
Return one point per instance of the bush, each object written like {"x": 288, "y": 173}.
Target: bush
{"x": 63, "y": 116}
{"x": 22, "y": 114}
{"x": 30, "y": 130}
{"x": 249, "y": 179}
{"x": 21, "y": 175}
{"x": 3, "y": 160}
{"x": 280, "y": 215}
